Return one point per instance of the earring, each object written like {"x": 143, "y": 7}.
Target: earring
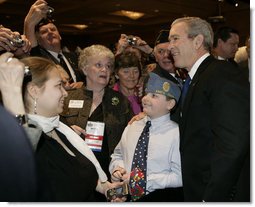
{"x": 35, "y": 106}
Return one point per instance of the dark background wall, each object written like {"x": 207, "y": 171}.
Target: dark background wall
{"x": 105, "y": 28}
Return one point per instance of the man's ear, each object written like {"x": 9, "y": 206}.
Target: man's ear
{"x": 198, "y": 40}
{"x": 220, "y": 42}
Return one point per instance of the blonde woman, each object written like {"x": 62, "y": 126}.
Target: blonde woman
{"x": 96, "y": 105}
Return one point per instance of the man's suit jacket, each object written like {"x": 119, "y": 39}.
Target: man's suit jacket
{"x": 244, "y": 66}
{"x": 214, "y": 131}
{"x": 71, "y": 57}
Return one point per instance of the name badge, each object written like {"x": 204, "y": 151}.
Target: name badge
{"x": 78, "y": 104}
{"x": 95, "y": 135}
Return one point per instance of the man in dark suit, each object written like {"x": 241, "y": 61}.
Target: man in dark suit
{"x": 225, "y": 44}
{"x": 215, "y": 117}
{"x": 46, "y": 42}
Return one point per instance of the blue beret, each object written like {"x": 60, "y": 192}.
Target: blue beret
{"x": 157, "y": 84}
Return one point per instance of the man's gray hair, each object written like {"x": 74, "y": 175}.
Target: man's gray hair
{"x": 198, "y": 26}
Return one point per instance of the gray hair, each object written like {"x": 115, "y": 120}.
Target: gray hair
{"x": 94, "y": 51}
{"x": 198, "y": 26}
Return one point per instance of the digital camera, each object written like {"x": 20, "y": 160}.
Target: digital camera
{"x": 132, "y": 40}
{"x": 118, "y": 192}
{"x": 50, "y": 12}
{"x": 17, "y": 41}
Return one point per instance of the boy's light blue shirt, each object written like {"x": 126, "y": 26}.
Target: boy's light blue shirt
{"x": 163, "y": 160}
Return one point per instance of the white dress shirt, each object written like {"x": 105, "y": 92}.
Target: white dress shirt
{"x": 194, "y": 68}
{"x": 55, "y": 55}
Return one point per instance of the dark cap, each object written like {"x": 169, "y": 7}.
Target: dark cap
{"x": 44, "y": 22}
{"x": 157, "y": 84}
{"x": 162, "y": 37}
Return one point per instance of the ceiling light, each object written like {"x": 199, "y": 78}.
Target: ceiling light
{"x": 233, "y": 2}
{"x": 130, "y": 14}
{"x": 77, "y": 26}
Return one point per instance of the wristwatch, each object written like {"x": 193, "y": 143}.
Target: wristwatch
{"x": 21, "y": 118}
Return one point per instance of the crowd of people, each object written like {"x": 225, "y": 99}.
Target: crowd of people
{"x": 168, "y": 123}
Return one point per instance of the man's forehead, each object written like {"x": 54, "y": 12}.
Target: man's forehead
{"x": 233, "y": 38}
{"x": 234, "y": 35}
{"x": 177, "y": 28}
{"x": 49, "y": 25}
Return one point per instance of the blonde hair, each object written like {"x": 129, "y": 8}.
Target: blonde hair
{"x": 94, "y": 51}
{"x": 40, "y": 69}
{"x": 62, "y": 72}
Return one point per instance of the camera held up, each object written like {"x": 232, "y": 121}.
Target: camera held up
{"x": 132, "y": 41}
{"x": 17, "y": 41}
{"x": 50, "y": 12}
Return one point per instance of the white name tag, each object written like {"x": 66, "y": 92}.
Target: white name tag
{"x": 78, "y": 104}
{"x": 94, "y": 135}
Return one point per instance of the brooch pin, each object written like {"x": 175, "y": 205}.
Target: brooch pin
{"x": 115, "y": 101}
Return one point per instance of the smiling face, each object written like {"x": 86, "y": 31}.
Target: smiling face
{"x": 162, "y": 56}
{"x": 98, "y": 71}
{"x": 128, "y": 77}
{"x": 156, "y": 105}
{"x": 49, "y": 37}
{"x": 182, "y": 47}
{"x": 50, "y": 97}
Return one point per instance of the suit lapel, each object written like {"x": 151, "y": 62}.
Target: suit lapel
{"x": 48, "y": 55}
{"x": 71, "y": 59}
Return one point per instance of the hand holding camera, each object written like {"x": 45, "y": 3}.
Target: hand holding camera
{"x": 132, "y": 41}
{"x": 118, "y": 194}
{"x": 119, "y": 174}
{"x": 17, "y": 41}
{"x": 140, "y": 44}
{"x": 5, "y": 38}
{"x": 12, "y": 72}
{"x": 50, "y": 12}
{"x": 13, "y": 41}
{"x": 38, "y": 11}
